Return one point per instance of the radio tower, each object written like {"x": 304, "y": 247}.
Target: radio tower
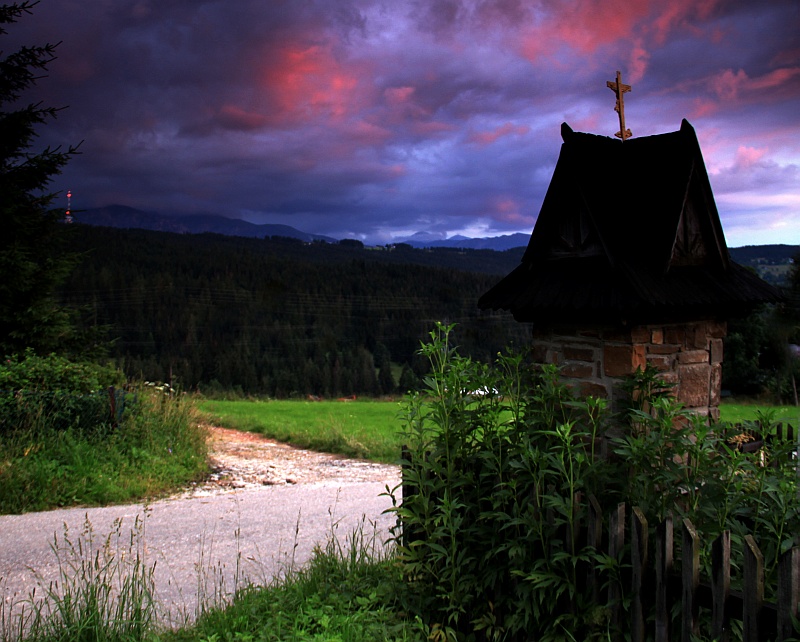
{"x": 68, "y": 213}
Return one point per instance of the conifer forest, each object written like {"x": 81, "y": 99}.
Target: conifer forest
{"x": 277, "y": 317}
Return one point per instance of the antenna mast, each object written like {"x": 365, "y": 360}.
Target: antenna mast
{"x": 68, "y": 213}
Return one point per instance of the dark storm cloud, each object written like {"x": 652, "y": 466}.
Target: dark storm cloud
{"x": 376, "y": 118}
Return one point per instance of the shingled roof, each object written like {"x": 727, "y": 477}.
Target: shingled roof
{"x": 628, "y": 232}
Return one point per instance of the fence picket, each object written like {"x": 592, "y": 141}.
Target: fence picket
{"x": 664, "y": 564}
{"x": 788, "y": 591}
{"x": 638, "y": 566}
{"x": 690, "y": 580}
{"x": 594, "y": 537}
{"x": 753, "y": 589}
{"x": 720, "y": 586}
{"x": 616, "y": 542}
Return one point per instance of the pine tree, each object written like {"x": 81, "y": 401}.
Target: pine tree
{"x": 33, "y": 260}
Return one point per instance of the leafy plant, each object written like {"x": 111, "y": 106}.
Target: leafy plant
{"x": 495, "y": 485}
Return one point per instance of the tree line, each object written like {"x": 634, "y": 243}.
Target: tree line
{"x": 273, "y": 317}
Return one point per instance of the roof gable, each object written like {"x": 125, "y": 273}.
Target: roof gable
{"x": 628, "y": 231}
{"x": 646, "y": 202}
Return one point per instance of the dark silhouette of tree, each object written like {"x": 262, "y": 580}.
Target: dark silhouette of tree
{"x": 33, "y": 260}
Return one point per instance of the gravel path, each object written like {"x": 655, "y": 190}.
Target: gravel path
{"x": 263, "y": 509}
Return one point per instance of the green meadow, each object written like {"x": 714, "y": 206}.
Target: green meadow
{"x": 370, "y": 428}
{"x": 367, "y": 429}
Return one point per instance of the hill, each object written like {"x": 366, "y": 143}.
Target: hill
{"x": 279, "y": 317}
{"x": 123, "y": 217}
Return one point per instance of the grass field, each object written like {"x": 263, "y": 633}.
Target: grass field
{"x": 370, "y": 428}
{"x": 367, "y": 429}
{"x": 735, "y": 412}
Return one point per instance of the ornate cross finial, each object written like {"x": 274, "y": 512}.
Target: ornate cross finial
{"x": 620, "y": 90}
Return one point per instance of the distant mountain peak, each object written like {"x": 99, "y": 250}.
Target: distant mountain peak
{"x": 122, "y": 216}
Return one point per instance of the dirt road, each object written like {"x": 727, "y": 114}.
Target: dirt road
{"x": 263, "y": 509}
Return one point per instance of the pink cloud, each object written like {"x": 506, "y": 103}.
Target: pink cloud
{"x": 506, "y": 210}
{"x": 398, "y": 95}
{"x": 305, "y": 82}
{"x": 586, "y": 26}
{"x": 729, "y": 84}
{"x": 236, "y": 118}
{"x": 638, "y": 62}
{"x": 489, "y": 137}
{"x": 747, "y": 157}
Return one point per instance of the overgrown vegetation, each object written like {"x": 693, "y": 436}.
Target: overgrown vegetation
{"x": 60, "y": 444}
{"x": 494, "y": 481}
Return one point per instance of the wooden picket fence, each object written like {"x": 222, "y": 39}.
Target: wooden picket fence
{"x": 655, "y": 585}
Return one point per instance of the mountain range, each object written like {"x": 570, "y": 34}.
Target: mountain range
{"x": 771, "y": 261}
{"x": 122, "y": 216}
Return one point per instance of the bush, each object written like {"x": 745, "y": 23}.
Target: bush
{"x": 52, "y": 390}
{"x": 157, "y": 447}
{"x": 498, "y": 460}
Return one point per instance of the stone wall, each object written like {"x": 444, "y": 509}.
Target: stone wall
{"x": 594, "y": 361}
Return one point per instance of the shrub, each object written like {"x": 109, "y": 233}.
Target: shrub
{"x": 492, "y": 488}
{"x": 52, "y": 390}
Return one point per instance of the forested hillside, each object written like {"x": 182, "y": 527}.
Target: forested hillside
{"x": 279, "y": 317}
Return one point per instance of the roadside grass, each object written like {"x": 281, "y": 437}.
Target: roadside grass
{"x": 105, "y": 592}
{"x": 346, "y": 593}
{"x": 156, "y": 448}
{"x": 368, "y": 429}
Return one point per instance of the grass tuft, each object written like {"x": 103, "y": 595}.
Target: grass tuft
{"x": 104, "y": 592}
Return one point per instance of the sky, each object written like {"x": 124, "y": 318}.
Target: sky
{"x": 377, "y": 119}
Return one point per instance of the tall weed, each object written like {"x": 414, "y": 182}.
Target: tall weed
{"x": 501, "y": 460}
{"x": 104, "y": 591}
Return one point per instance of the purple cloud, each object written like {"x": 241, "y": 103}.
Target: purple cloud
{"x": 375, "y": 119}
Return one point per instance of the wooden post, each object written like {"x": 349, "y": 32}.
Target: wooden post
{"x": 788, "y": 591}
{"x": 112, "y": 399}
{"x": 720, "y": 586}
{"x": 594, "y": 536}
{"x": 638, "y": 565}
{"x": 664, "y": 563}
{"x": 616, "y": 541}
{"x": 690, "y": 575}
{"x": 753, "y": 589}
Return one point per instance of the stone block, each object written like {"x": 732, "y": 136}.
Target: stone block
{"x": 573, "y": 353}
{"x": 619, "y": 361}
{"x": 675, "y": 334}
{"x": 716, "y": 350}
{"x": 640, "y": 334}
{"x": 693, "y": 389}
{"x": 578, "y": 370}
{"x": 663, "y": 349}
{"x": 715, "y": 386}
{"x": 693, "y": 356}
{"x": 717, "y": 329}
{"x": 660, "y": 362}
{"x": 657, "y": 336}
{"x": 539, "y": 353}
{"x": 592, "y": 389}
{"x": 699, "y": 337}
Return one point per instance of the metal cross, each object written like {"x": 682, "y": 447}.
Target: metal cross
{"x": 620, "y": 90}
